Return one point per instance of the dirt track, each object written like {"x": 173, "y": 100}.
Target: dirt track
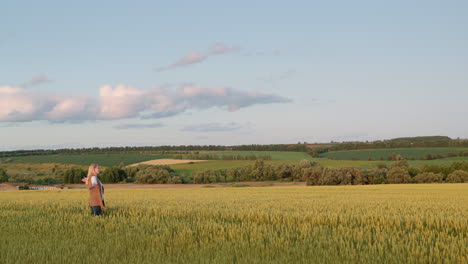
{"x": 165, "y": 162}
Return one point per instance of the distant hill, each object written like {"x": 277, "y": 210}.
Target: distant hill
{"x": 403, "y": 142}
{"x": 420, "y": 139}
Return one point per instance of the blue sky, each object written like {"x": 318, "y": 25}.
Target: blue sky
{"x": 115, "y": 73}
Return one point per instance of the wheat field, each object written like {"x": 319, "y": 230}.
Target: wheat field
{"x": 424, "y": 223}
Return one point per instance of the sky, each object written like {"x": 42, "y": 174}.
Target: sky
{"x": 147, "y": 73}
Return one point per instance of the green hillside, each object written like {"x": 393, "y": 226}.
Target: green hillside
{"x": 377, "y": 154}
{"x": 86, "y": 159}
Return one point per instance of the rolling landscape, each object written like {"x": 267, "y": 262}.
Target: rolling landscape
{"x": 179, "y": 205}
{"x": 234, "y": 132}
{"x": 375, "y": 220}
{"x": 52, "y": 167}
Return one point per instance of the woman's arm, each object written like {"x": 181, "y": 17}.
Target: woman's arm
{"x": 93, "y": 182}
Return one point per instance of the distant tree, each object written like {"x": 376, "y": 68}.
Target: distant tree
{"x": 312, "y": 175}
{"x": 3, "y": 175}
{"x": 375, "y": 175}
{"x": 113, "y": 175}
{"x": 156, "y": 175}
{"x": 457, "y": 176}
{"x": 381, "y": 166}
{"x": 413, "y": 171}
{"x": 330, "y": 176}
{"x": 284, "y": 171}
{"x": 428, "y": 177}
{"x": 398, "y": 175}
{"x": 350, "y": 176}
{"x": 401, "y": 164}
{"x": 73, "y": 175}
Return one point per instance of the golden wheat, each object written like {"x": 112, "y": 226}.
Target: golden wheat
{"x": 424, "y": 223}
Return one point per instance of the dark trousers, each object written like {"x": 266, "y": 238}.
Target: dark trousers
{"x": 96, "y": 210}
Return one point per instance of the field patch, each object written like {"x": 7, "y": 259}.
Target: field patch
{"x": 275, "y": 155}
{"x": 377, "y": 154}
{"x": 166, "y": 162}
{"x": 187, "y": 168}
{"x": 113, "y": 159}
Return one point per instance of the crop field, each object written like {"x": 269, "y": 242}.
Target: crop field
{"x": 37, "y": 168}
{"x": 369, "y": 164}
{"x": 220, "y": 164}
{"x": 275, "y": 155}
{"x": 376, "y": 154}
{"x": 86, "y": 159}
{"x": 425, "y": 223}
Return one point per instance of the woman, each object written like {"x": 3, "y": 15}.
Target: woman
{"x": 96, "y": 190}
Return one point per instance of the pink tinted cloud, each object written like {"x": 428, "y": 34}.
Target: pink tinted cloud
{"x": 19, "y": 104}
{"x": 197, "y": 57}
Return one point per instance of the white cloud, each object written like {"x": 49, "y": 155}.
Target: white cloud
{"x": 20, "y": 105}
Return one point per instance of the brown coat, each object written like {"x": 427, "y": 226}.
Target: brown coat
{"x": 95, "y": 195}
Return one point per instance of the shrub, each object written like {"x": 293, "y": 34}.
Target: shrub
{"x": 3, "y": 175}
{"x": 381, "y": 166}
{"x": 312, "y": 175}
{"x": 398, "y": 175}
{"x": 330, "y": 176}
{"x": 73, "y": 175}
{"x": 156, "y": 175}
{"x": 428, "y": 177}
{"x": 414, "y": 171}
{"x": 284, "y": 171}
{"x": 350, "y": 176}
{"x": 401, "y": 164}
{"x": 113, "y": 175}
{"x": 457, "y": 176}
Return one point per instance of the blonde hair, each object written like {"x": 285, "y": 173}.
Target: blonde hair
{"x": 91, "y": 172}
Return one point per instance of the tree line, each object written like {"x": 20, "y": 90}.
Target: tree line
{"x": 128, "y": 149}
{"x": 436, "y": 141}
{"x": 408, "y": 142}
{"x": 145, "y": 149}
{"x": 313, "y": 174}
{"x": 299, "y": 147}
{"x": 140, "y": 174}
{"x": 399, "y": 172}
{"x": 308, "y": 171}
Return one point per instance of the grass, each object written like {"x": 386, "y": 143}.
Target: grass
{"x": 86, "y": 159}
{"x": 36, "y": 171}
{"x": 220, "y": 164}
{"x": 424, "y": 223}
{"x": 376, "y": 154}
{"x": 368, "y": 164}
{"x": 275, "y": 155}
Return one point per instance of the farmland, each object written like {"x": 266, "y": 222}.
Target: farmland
{"x": 368, "y": 164}
{"x": 112, "y": 159}
{"x": 275, "y": 155}
{"x": 42, "y": 165}
{"x": 376, "y": 154}
{"x": 39, "y": 167}
{"x": 424, "y": 223}
{"x": 221, "y": 164}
